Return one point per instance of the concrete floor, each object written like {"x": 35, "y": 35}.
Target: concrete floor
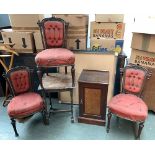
{"x": 61, "y": 128}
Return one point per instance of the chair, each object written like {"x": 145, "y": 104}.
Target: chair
{"x": 55, "y": 55}
{"x": 25, "y": 102}
{"x": 6, "y": 52}
{"x": 128, "y": 104}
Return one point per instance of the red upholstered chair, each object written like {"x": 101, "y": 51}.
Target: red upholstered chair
{"x": 25, "y": 102}
{"x": 55, "y": 54}
{"x": 128, "y": 104}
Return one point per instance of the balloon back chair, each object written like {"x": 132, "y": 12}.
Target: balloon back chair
{"x": 55, "y": 54}
{"x": 25, "y": 101}
{"x": 128, "y": 104}
{"x": 5, "y": 53}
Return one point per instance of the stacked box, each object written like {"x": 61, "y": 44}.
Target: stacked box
{"x": 38, "y": 41}
{"x": 23, "y": 28}
{"x": 143, "y": 53}
{"x": 77, "y": 31}
{"x": 118, "y": 18}
{"x": 25, "y": 21}
{"x": 105, "y": 45}
{"x": 23, "y": 41}
{"x": 107, "y": 32}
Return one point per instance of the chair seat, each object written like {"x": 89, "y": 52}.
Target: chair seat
{"x": 128, "y": 106}
{"x": 24, "y": 105}
{"x": 55, "y": 57}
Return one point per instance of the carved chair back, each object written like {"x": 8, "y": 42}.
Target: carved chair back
{"x": 19, "y": 80}
{"x": 53, "y": 31}
{"x": 134, "y": 78}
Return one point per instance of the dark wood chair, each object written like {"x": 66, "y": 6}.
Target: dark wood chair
{"x": 55, "y": 55}
{"x": 5, "y": 53}
{"x": 25, "y": 101}
{"x": 129, "y": 104}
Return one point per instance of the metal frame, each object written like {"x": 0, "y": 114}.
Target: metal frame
{"x": 8, "y": 79}
{"x": 41, "y": 26}
{"x": 147, "y": 76}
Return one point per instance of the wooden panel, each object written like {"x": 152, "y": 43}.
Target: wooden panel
{"x": 93, "y": 62}
{"x": 92, "y": 101}
{"x": 94, "y": 76}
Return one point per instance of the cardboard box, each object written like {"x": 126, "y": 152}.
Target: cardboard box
{"x": 109, "y": 17}
{"x": 38, "y": 41}
{"x": 91, "y": 61}
{"x": 107, "y": 30}
{"x": 142, "y": 58}
{"x": 77, "y": 31}
{"x": 25, "y": 21}
{"x": 105, "y": 45}
{"x": 143, "y": 41}
{"x": 77, "y": 38}
{"x": 77, "y": 42}
{"x": 80, "y": 20}
{"x": 24, "y": 41}
{"x": 149, "y": 91}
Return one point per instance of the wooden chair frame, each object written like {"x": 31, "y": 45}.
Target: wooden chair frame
{"x": 14, "y": 93}
{"x": 40, "y": 74}
{"x": 147, "y": 76}
{"x": 7, "y": 53}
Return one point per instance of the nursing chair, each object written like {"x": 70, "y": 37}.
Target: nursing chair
{"x": 25, "y": 101}
{"x": 128, "y": 104}
{"x": 7, "y": 53}
{"x": 55, "y": 55}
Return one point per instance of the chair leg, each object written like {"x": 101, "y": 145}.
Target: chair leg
{"x": 141, "y": 125}
{"x": 73, "y": 75}
{"x": 13, "y": 122}
{"x": 50, "y": 99}
{"x": 71, "y": 95}
{"x": 45, "y": 117}
{"x": 109, "y": 115}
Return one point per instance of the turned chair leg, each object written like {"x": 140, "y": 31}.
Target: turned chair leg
{"x": 13, "y": 122}
{"x": 73, "y": 75}
{"x": 109, "y": 115}
{"x": 50, "y": 99}
{"x": 45, "y": 117}
{"x": 141, "y": 125}
{"x": 71, "y": 95}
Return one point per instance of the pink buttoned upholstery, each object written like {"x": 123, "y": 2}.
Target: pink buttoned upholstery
{"x": 54, "y": 33}
{"x": 54, "y": 54}
{"x": 54, "y": 57}
{"x": 133, "y": 80}
{"x": 128, "y": 106}
{"x": 20, "y": 81}
{"x": 25, "y": 105}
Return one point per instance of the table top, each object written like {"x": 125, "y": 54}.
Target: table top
{"x": 94, "y": 76}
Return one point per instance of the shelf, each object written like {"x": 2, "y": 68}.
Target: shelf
{"x": 57, "y": 81}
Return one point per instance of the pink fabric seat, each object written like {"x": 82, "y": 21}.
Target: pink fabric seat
{"x": 25, "y": 104}
{"x": 128, "y": 106}
{"x": 55, "y": 57}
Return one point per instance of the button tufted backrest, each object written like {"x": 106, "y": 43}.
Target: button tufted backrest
{"x": 20, "y": 81}
{"x": 54, "y": 33}
{"x": 133, "y": 80}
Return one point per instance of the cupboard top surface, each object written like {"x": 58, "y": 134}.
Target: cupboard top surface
{"x": 94, "y": 76}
